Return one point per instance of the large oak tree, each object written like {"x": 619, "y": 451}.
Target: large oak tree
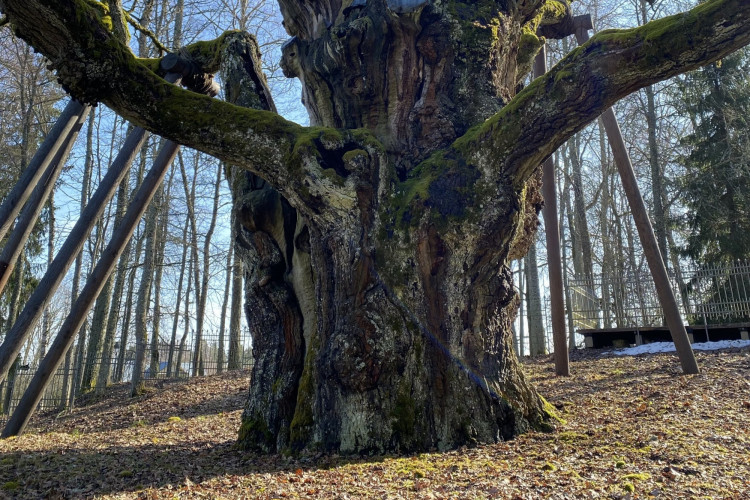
{"x": 378, "y": 239}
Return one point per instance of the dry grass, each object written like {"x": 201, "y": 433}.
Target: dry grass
{"x": 634, "y": 428}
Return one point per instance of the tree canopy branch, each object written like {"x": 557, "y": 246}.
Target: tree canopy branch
{"x": 613, "y": 64}
{"x": 95, "y": 66}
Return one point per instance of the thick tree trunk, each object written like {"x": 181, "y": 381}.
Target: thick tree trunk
{"x": 406, "y": 346}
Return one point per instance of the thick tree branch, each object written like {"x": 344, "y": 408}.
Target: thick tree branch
{"x": 94, "y": 66}
{"x": 592, "y": 78}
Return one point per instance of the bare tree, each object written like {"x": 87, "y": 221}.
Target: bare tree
{"x": 407, "y": 226}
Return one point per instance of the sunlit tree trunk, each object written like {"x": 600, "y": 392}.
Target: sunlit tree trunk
{"x": 143, "y": 300}
{"x": 103, "y": 378}
{"x": 220, "y": 361}
{"x": 171, "y": 370}
{"x": 235, "y": 315}
{"x": 658, "y": 191}
{"x": 47, "y": 318}
{"x": 537, "y": 335}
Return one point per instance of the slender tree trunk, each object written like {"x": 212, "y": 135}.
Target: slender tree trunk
{"x": 96, "y": 353}
{"x": 196, "y": 280}
{"x": 76, "y": 376}
{"x": 118, "y": 288}
{"x": 178, "y": 366}
{"x": 68, "y": 390}
{"x": 171, "y": 369}
{"x": 658, "y": 192}
{"x": 137, "y": 384}
{"x": 15, "y": 300}
{"x": 47, "y": 318}
{"x": 579, "y": 211}
{"x": 224, "y": 306}
{"x": 537, "y": 335}
{"x": 159, "y": 242}
{"x": 609, "y": 267}
{"x": 125, "y": 331}
{"x": 235, "y": 329}
{"x": 202, "y": 291}
{"x": 138, "y": 251}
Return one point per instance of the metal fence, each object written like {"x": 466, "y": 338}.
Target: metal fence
{"x": 707, "y": 294}
{"x": 55, "y": 395}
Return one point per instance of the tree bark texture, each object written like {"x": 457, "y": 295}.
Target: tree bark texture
{"x": 378, "y": 268}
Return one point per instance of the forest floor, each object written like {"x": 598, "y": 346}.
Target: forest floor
{"x": 634, "y": 428}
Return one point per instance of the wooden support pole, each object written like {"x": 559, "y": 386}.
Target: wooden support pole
{"x": 45, "y": 154}
{"x": 554, "y": 260}
{"x": 41, "y": 295}
{"x": 39, "y": 196}
{"x": 91, "y": 290}
{"x": 646, "y": 234}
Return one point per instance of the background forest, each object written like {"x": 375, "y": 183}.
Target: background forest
{"x": 178, "y": 279}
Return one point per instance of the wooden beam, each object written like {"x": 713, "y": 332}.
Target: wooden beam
{"x": 42, "y": 294}
{"x": 554, "y": 259}
{"x": 91, "y": 290}
{"x": 45, "y": 154}
{"x": 646, "y": 234}
{"x": 101, "y": 273}
{"x": 37, "y": 199}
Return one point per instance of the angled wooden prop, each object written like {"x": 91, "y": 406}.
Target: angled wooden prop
{"x": 643, "y": 224}
{"x": 44, "y": 156}
{"x": 41, "y": 295}
{"x": 177, "y": 68}
{"x": 91, "y": 290}
{"x": 554, "y": 260}
{"x": 45, "y": 183}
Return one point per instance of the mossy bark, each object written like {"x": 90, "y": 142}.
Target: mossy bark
{"x": 378, "y": 268}
{"x": 390, "y": 331}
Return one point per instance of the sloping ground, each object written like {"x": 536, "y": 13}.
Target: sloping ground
{"x": 634, "y": 429}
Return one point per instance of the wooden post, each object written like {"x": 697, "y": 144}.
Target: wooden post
{"x": 645, "y": 231}
{"x": 30, "y": 178}
{"x": 554, "y": 260}
{"x": 99, "y": 275}
{"x": 45, "y": 185}
{"x": 91, "y": 290}
{"x": 34, "y": 307}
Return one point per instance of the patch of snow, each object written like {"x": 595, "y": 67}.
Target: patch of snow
{"x": 657, "y": 347}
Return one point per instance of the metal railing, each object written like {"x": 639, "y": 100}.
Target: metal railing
{"x": 706, "y": 294}
{"x": 13, "y": 388}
